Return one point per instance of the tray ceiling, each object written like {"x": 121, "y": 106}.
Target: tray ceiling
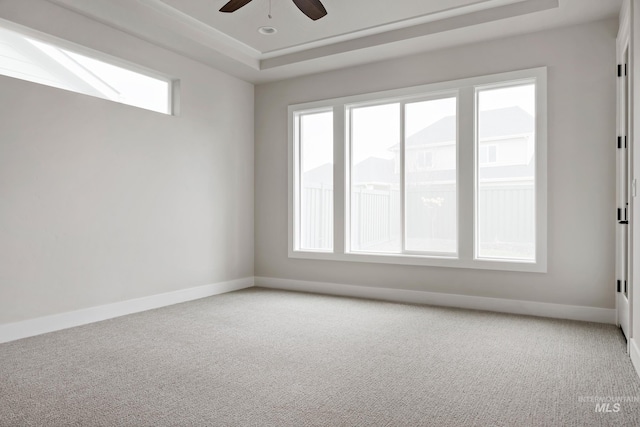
{"x": 353, "y": 32}
{"x": 344, "y": 18}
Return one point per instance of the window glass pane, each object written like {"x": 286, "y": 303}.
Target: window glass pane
{"x": 316, "y": 180}
{"x": 505, "y": 147}
{"x": 131, "y": 88}
{"x": 375, "y": 179}
{"x": 45, "y": 63}
{"x": 430, "y": 176}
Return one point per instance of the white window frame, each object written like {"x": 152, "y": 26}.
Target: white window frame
{"x": 297, "y": 190}
{"x": 466, "y": 173}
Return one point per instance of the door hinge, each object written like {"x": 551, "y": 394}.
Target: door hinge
{"x": 620, "y": 70}
{"x": 619, "y": 286}
{"x": 622, "y": 218}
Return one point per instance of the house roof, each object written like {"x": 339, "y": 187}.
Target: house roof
{"x": 493, "y": 124}
{"x": 513, "y": 172}
{"x": 371, "y": 169}
{"x": 322, "y": 174}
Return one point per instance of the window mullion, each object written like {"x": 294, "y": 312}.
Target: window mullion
{"x": 296, "y": 182}
{"x": 299, "y": 195}
{"x": 402, "y": 192}
{"x": 466, "y": 173}
{"x": 348, "y": 162}
{"x": 339, "y": 180}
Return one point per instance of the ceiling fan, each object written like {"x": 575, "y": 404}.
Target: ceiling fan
{"x": 312, "y": 8}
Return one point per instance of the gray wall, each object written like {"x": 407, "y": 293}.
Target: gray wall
{"x": 102, "y": 202}
{"x": 581, "y": 166}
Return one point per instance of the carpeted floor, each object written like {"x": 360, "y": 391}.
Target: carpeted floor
{"x": 271, "y": 358}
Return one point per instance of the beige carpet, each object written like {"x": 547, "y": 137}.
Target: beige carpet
{"x": 270, "y": 358}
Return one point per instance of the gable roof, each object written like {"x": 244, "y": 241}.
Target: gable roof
{"x": 371, "y": 169}
{"x": 493, "y": 124}
{"x": 322, "y": 174}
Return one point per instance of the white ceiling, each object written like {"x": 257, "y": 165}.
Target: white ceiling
{"x": 353, "y": 32}
{"x": 344, "y": 18}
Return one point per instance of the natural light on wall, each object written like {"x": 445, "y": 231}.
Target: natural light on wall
{"x": 27, "y": 58}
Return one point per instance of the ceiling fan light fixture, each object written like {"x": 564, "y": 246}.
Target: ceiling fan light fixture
{"x": 312, "y": 8}
{"x": 267, "y": 31}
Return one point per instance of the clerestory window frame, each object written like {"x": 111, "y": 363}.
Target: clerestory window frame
{"x": 43, "y": 59}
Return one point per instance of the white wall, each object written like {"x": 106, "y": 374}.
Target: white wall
{"x": 581, "y": 164}
{"x": 101, "y": 202}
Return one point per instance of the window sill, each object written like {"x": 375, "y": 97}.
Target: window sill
{"x": 426, "y": 261}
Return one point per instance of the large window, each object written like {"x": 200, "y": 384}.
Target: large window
{"x": 449, "y": 174}
{"x": 33, "y": 57}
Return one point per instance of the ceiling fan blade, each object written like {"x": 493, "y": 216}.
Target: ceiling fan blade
{"x": 312, "y": 8}
{"x": 234, "y": 5}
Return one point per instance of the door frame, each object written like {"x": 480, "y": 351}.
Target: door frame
{"x": 624, "y": 171}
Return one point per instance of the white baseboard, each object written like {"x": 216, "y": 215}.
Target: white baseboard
{"x": 634, "y": 352}
{"x": 56, "y": 322}
{"x": 41, "y": 325}
{"x": 560, "y": 311}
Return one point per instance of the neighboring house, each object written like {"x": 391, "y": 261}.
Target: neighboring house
{"x": 505, "y": 152}
{"x": 372, "y": 171}
{"x": 320, "y": 176}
